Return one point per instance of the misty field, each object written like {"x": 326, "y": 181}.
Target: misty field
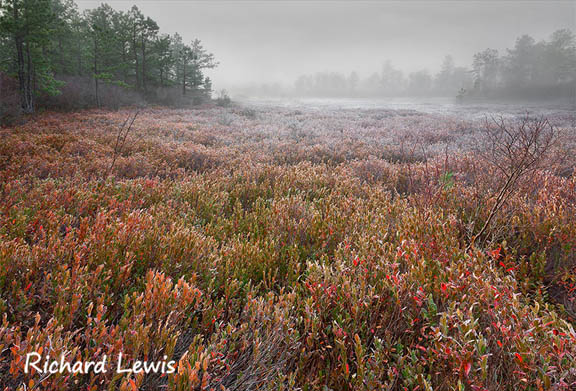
{"x": 283, "y": 248}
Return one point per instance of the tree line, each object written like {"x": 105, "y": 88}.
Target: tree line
{"x": 529, "y": 69}
{"x": 99, "y": 57}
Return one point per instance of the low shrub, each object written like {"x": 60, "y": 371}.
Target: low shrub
{"x": 255, "y": 260}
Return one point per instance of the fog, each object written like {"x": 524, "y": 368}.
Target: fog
{"x": 277, "y": 41}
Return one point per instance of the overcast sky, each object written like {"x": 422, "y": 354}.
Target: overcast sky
{"x": 277, "y": 40}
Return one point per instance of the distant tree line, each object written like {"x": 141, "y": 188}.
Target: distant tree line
{"x": 101, "y": 57}
{"x": 529, "y": 69}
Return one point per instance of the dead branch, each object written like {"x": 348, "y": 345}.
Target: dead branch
{"x": 513, "y": 149}
{"x": 121, "y": 137}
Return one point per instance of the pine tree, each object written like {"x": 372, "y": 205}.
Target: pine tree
{"x": 42, "y": 41}
{"x": 29, "y": 25}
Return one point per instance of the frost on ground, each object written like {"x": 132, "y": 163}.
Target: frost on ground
{"x": 285, "y": 248}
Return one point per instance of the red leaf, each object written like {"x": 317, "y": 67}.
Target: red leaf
{"x": 421, "y": 348}
{"x": 519, "y": 357}
{"x": 496, "y": 253}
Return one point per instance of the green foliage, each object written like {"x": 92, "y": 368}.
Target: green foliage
{"x": 110, "y": 47}
{"x": 447, "y": 180}
{"x": 28, "y": 25}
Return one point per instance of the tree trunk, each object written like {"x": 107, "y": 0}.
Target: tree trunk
{"x": 28, "y": 106}
{"x": 143, "y": 63}
{"x": 96, "y": 83}
{"x": 30, "y": 78}
{"x": 135, "y": 51}
{"x": 184, "y": 79}
{"x": 62, "y": 60}
{"x": 79, "y": 59}
{"x": 21, "y": 75}
{"x": 124, "y": 62}
{"x": 23, "y": 79}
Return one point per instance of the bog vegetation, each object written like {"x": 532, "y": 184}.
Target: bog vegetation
{"x": 283, "y": 249}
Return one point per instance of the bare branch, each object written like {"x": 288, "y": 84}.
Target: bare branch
{"x": 121, "y": 141}
{"x": 515, "y": 148}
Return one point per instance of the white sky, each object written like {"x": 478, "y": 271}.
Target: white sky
{"x": 274, "y": 40}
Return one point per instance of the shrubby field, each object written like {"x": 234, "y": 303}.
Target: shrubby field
{"x": 282, "y": 249}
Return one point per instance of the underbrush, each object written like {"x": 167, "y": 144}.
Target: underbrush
{"x": 290, "y": 251}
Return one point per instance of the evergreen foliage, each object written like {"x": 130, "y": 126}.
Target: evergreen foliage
{"x": 49, "y": 47}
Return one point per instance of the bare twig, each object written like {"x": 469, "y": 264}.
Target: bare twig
{"x": 121, "y": 140}
{"x": 514, "y": 150}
